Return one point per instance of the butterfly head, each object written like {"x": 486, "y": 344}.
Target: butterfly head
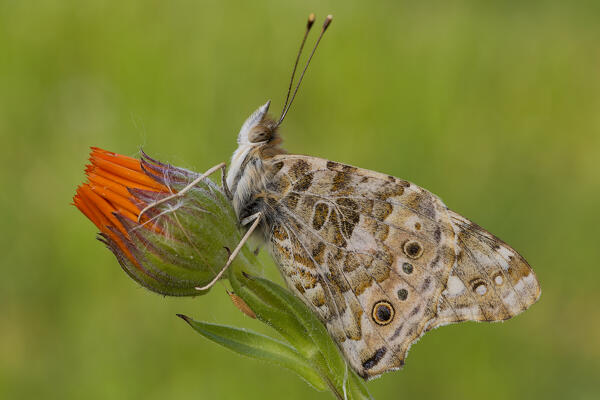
{"x": 257, "y": 140}
{"x": 258, "y": 136}
{"x": 258, "y": 129}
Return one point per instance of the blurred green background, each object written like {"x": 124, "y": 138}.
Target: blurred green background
{"x": 494, "y": 106}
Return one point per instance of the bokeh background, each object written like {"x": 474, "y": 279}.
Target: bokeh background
{"x": 494, "y": 106}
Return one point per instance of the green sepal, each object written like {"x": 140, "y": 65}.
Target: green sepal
{"x": 143, "y": 277}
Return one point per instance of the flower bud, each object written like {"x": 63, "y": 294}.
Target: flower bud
{"x": 178, "y": 243}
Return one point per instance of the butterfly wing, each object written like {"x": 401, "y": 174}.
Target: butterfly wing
{"x": 491, "y": 281}
{"x": 373, "y": 255}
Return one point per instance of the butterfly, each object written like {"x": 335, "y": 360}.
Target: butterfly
{"x": 380, "y": 260}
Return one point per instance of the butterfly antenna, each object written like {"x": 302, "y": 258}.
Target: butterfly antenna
{"x": 288, "y": 105}
{"x": 309, "y": 24}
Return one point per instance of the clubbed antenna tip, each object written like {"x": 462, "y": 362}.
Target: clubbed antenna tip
{"x": 311, "y": 20}
{"x": 327, "y": 22}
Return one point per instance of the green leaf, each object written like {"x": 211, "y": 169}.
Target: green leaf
{"x": 356, "y": 387}
{"x": 258, "y": 346}
{"x": 315, "y": 328}
{"x": 288, "y": 315}
{"x": 306, "y": 327}
{"x": 328, "y": 358}
{"x": 272, "y": 311}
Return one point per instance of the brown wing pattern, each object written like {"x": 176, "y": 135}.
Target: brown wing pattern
{"x": 492, "y": 282}
{"x": 373, "y": 255}
{"x": 368, "y": 252}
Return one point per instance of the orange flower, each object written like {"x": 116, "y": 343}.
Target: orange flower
{"x": 106, "y": 194}
{"x": 174, "y": 247}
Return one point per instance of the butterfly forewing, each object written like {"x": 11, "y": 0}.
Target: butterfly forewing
{"x": 368, "y": 252}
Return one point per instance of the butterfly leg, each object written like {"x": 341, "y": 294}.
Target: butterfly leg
{"x": 256, "y": 218}
{"x": 182, "y": 191}
{"x": 224, "y": 183}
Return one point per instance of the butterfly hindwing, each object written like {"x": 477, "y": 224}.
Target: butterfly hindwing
{"x": 491, "y": 281}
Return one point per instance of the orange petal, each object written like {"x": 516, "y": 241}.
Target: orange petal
{"x": 107, "y": 183}
{"x": 105, "y": 208}
{"x": 115, "y": 199}
{"x": 125, "y": 161}
{"x": 126, "y": 173}
{"x": 81, "y": 204}
{"x": 123, "y": 181}
{"x": 92, "y": 212}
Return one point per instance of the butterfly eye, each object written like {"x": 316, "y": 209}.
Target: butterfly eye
{"x": 413, "y": 249}
{"x": 258, "y": 135}
{"x": 383, "y": 312}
